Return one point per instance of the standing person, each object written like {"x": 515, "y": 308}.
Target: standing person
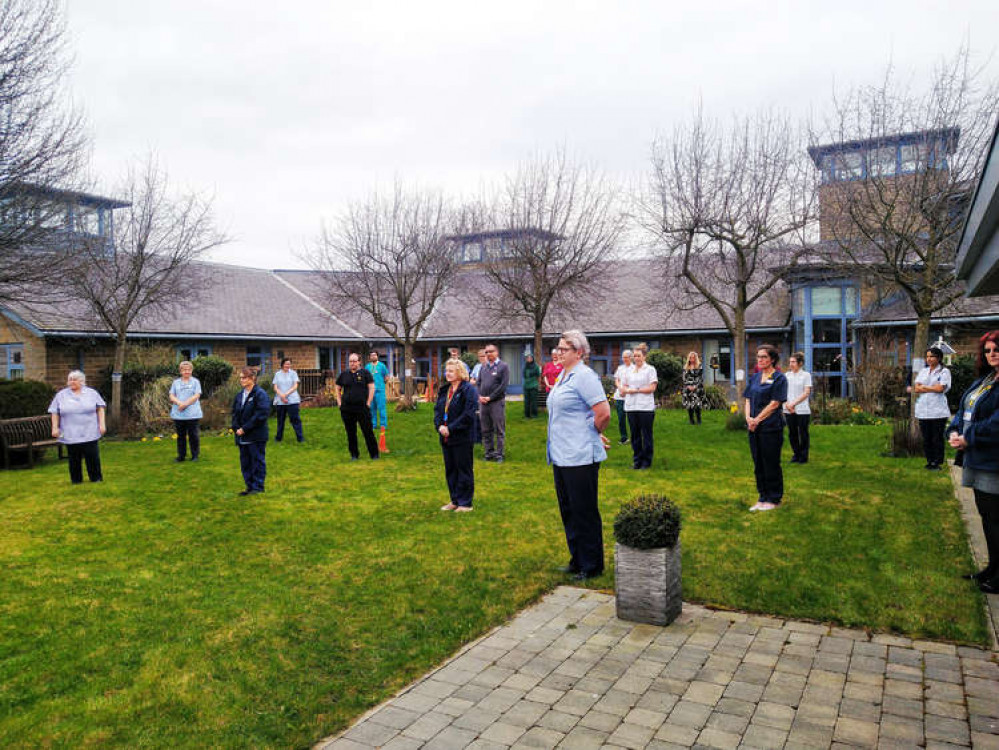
{"x": 639, "y": 389}
{"x": 454, "y": 415}
{"x": 355, "y": 390}
{"x": 974, "y": 432}
{"x": 78, "y": 423}
{"x": 288, "y": 400}
{"x": 551, "y": 371}
{"x": 693, "y": 387}
{"x": 250, "y": 410}
{"x": 474, "y": 380}
{"x": 531, "y": 373}
{"x": 797, "y": 411}
{"x": 493, "y": 380}
{"x": 185, "y": 411}
{"x": 378, "y": 370}
{"x": 932, "y": 411}
{"x": 622, "y": 417}
{"x": 578, "y": 412}
{"x": 764, "y": 394}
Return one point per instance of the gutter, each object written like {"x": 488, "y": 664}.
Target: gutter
{"x": 938, "y": 321}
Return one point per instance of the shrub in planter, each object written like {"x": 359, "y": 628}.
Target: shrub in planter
{"x": 647, "y": 560}
{"x": 24, "y": 398}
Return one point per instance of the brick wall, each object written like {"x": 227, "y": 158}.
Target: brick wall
{"x": 34, "y": 347}
{"x": 64, "y": 355}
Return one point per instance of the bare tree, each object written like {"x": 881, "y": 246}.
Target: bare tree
{"x": 560, "y": 221}
{"x": 392, "y": 258}
{"x": 148, "y": 268}
{"x": 731, "y": 207}
{"x": 42, "y": 145}
{"x": 894, "y": 206}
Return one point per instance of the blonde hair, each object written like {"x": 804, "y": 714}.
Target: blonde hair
{"x": 184, "y": 364}
{"x": 697, "y": 361}
{"x": 458, "y": 365}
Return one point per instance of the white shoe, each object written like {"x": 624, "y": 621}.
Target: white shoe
{"x": 449, "y": 506}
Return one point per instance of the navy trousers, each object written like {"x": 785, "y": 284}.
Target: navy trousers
{"x": 576, "y": 490}
{"x": 797, "y": 433}
{"x": 289, "y": 411}
{"x": 641, "y": 437}
{"x": 459, "y": 472}
{"x": 188, "y": 430}
{"x": 253, "y": 462}
{"x": 765, "y": 447}
{"x": 933, "y": 440}
{"x": 351, "y": 421}
{"x": 79, "y": 453}
{"x": 622, "y": 418}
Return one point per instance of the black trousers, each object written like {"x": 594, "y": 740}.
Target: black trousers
{"x": 459, "y": 472}
{"x": 694, "y": 413}
{"x": 765, "y": 447}
{"x": 797, "y": 434}
{"x": 933, "y": 440}
{"x": 530, "y": 402}
{"x": 351, "y": 420}
{"x": 576, "y": 490}
{"x": 641, "y": 437}
{"x": 289, "y": 411}
{"x": 80, "y": 452}
{"x": 188, "y": 430}
{"x": 988, "y": 509}
{"x": 622, "y": 419}
{"x": 253, "y": 463}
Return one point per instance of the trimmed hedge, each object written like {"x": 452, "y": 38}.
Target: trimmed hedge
{"x": 24, "y": 398}
{"x": 648, "y": 522}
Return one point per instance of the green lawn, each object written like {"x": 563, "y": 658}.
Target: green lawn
{"x": 159, "y": 610}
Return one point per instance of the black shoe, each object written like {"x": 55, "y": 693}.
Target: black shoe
{"x": 584, "y": 576}
{"x": 794, "y": 460}
{"x": 990, "y": 586}
{"x": 375, "y": 458}
{"x": 568, "y": 570}
{"x": 933, "y": 467}
{"x": 244, "y": 493}
{"x": 498, "y": 460}
{"x": 179, "y": 459}
{"x": 354, "y": 458}
{"x": 194, "y": 458}
{"x": 622, "y": 441}
{"x": 982, "y": 575}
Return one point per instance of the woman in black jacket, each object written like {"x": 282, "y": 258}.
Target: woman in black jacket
{"x": 250, "y": 410}
{"x": 454, "y": 416}
{"x": 975, "y": 431}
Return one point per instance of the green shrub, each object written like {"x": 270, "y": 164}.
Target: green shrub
{"x": 715, "y": 397}
{"x": 841, "y": 411}
{"x": 471, "y": 359}
{"x": 24, "y": 398}
{"x": 647, "y": 522}
{"x": 212, "y": 372}
{"x": 134, "y": 379}
{"x": 962, "y": 375}
{"x": 152, "y": 406}
{"x": 669, "y": 369}
{"x": 609, "y": 386}
{"x": 736, "y": 421}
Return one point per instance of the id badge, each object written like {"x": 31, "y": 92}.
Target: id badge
{"x": 967, "y": 416}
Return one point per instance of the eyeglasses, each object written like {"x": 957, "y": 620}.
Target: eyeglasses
{"x": 564, "y": 349}
{"x": 990, "y": 351}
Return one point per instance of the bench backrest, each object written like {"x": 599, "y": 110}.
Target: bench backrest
{"x": 26, "y": 429}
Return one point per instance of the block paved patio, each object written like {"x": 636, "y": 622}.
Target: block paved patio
{"x": 566, "y": 673}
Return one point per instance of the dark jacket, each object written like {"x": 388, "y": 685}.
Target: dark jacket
{"x": 493, "y": 380}
{"x": 531, "y": 374}
{"x": 251, "y": 416}
{"x": 982, "y": 434}
{"x": 460, "y": 415}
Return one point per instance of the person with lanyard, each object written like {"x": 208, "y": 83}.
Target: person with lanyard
{"x": 378, "y": 370}
{"x": 494, "y": 377}
{"x": 764, "y": 394}
{"x": 185, "y": 411}
{"x": 932, "y": 411}
{"x": 287, "y": 400}
{"x": 622, "y": 416}
{"x": 454, "y": 416}
{"x": 355, "y": 390}
{"x": 250, "y": 409}
{"x": 578, "y": 412}
{"x": 974, "y": 432}
{"x": 531, "y": 375}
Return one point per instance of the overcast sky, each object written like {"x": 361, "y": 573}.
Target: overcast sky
{"x": 285, "y": 112}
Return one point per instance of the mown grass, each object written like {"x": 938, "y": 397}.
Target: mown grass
{"x": 159, "y": 610}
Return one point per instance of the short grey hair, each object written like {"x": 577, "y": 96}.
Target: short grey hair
{"x": 184, "y": 364}
{"x": 626, "y": 353}
{"x": 577, "y": 340}
{"x": 77, "y": 375}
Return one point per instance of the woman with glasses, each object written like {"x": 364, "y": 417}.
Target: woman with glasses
{"x": 932, "y": 411}
{"x": 250, "y": 410}
{"x": 764, "y": 394}
{"x": 974, "y": 432}
{"x": 639, "y": 389}
{"x": 454, "y": 416}
{"x": 578, "y": 412}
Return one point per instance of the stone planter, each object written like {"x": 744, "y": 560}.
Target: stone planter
{"x": 647, "y": 584}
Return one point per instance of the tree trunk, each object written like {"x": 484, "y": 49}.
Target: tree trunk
{"x": 119, "y": 365}
{"x": 920, "y": 343}
{"x": 739, "y": 355}
{"x": 409, "y": 388}
{"x": 539, "y": 347}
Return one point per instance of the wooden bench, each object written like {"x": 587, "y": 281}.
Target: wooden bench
{"x": 26, "y": 433}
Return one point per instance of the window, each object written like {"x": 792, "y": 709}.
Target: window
{"x": 190, "y": 352}
{"x": 471, "y": 252}
{"x": 12, "y": 361}
{"x": 257, "y": 356}
{"x": 85, "y": 220}
{"x": 600, "y": 359}
{"x": 849, "y": 166}
{"x": 882, "y": 162}
{"x": 799, "y": 301}
{"x": 825, "y": 300}
{"x": 826, "y": 331}
{"x": 912, "y": 157}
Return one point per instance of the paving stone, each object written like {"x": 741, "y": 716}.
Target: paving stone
{"x": 945, "y": 691}
{"x": 761, "y": 658}
{"x": 370, "y": 733}
{"x": 392, "y": 716}
{"x": 981, "y": 688}
{"x": 935, "y": 647}
{"x": 503, "y": 733}
{"x": 774, "y": 715}
{"x": 892, "y": 640}
{"x": 435, "y": 688}
{"x": 907, "y": 656}
{"x": 950, "y": 710}
{"x": 761, "y": 737}
{"x": 902, "y": 728}
{"x": 576, "y": 702}
{"x": 870, "y": 649}
{"x": 616, "y": 702}
{"x": 980, "y": 667}
{"x": 794, "y": 664}
{"x": 868, "y": 664}
{"x": 559, "y": 721}
{"x": 856, "y": 732}
{"x": 689, "y": 714}
{"x": 558, "y": 682}
{"x": 476, "y": 719}
{"x": 523, "y": 682}
{"x": 656, "y": 701}
{"x": 401, "y": 742}
{"x": 984, "y": 741}
{"x": 646, "y": 718}
{"x": 744, "y": 691}
{"x": 704, "y": 692}
{"x": 903, "y": 689}
{"x": 343, "y": 743}
{"x": 631, "y": 736}
{"x": 863, "y": 710}
{"x": 820, "y": 714}
{"x": 524, "y": 713}
{"x": 481, "y": 744}
{"x": 633, "y": 684}
{"x": 861, "y": 692}
{"x": 545, "y": 695}
{"x": 904, "y": 672}
{"x": 943, "y": 675}
{"x": 539, "y": 737}
{"x": 808, "y": 736}
{"x": 832, "y": 662}
{"x": 835, "y": 644}
{"x": 984, "y": 725}
{"x": 418, "y": 702}
{"x": 584, "y": 738}
{"x": 736, "y": 707}
{"x": 678, "y": 734}
{"x": 983, "y": 706}
{"x": 731, "y": 723}
{"x": 947, "y": 730}
{"x": 753, "y": 674}
{"x": 600, "y": 721}
{"x": 427, "y": 725}
{"x": 453, "y": 706}
{"x": 715, "y": 738}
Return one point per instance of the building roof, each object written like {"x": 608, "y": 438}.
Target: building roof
{"x": 949, "y": 136}
{"x": 978, "y": 249}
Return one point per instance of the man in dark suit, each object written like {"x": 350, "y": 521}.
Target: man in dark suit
{"x": 493, "y": 380}
{"x": 250, "y": 410}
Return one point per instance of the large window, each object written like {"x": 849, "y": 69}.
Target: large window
{"x": 12, "y": 361}
{"x": 258, "y": 356}
{"x": 822, "y": 329}
{"x": 190, "y": 352}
